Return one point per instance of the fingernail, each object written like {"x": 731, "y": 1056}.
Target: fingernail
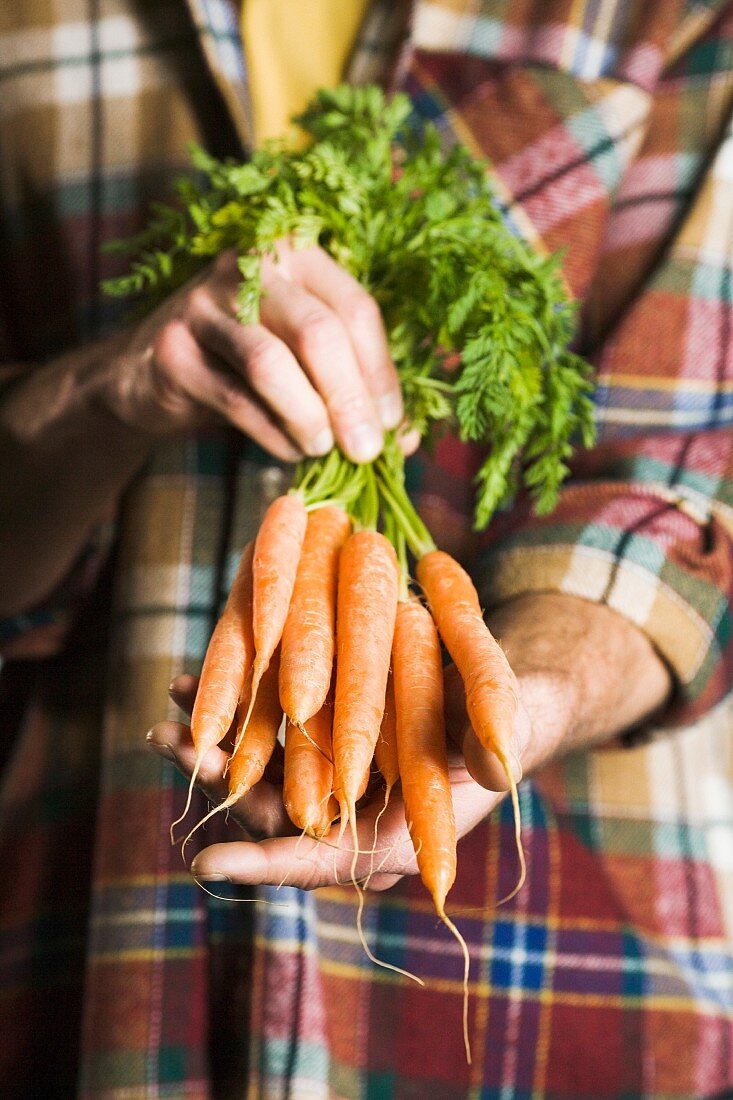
{"x": 390, "y": 410}
{"x": 364, "y": 442}
{"x": 162, "y": 750}
{"x": 322, "y": 443}
{"x": 211, "y": 876}
{"x": 292, "y": 454}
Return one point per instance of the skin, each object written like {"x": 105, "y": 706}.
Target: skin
{"x": 75, "y": 431}
{"x": 586, "y": 674}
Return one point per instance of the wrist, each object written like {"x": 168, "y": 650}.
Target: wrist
{"x": 125, "y": 388}
{"x": 586, "y": 673}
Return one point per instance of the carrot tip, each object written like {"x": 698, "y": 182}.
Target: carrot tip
{"x": 187, "y": 807}
{"x": 229, "y": 801}
{"x": 360, "y": 912}
{"x": 514, "y": 794}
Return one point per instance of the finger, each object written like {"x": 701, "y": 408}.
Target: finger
{"x": 482, "y": 765}
{"x": 270, "y": 369}
{"x": 408, "y": 440}
{"x": 260, "y": 812}
{"x": 172, "y": 740}
{"x": 321, "y": 344}
{"x": 205, "y": 380}
{"x": 378, "y": 883}
{"x": 307, "y": 863}
{"x": 318, "y": 273}
{"x": 294, "y": 861}
{"x": 182, "y": 690}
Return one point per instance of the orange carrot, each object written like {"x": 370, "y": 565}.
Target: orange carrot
{"x": 421, "y": 748}
{"x": 423, "y": 762}
{"x": 309, "y": 773}
{"x": 366, "y": 609}
{"x": 492, "y": 692}
{"x": 248, "y": 762}
{"x": 274, "y": 566}
{"x": 308, "y": 640}
{"x": 228, "y": 659}
{"x": 385, "y": 750}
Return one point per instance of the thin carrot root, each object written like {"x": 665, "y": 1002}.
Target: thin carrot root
{"x": 466, "y": 965}
{"x": 257, "y": 673}
{"x": 295, "y": 853}
{"x": 225, "y": 805}
{"x": 187, "y": 807}
{"x": 304, "y": 731}
{"x": 360, "y": 912}
{"x": 377, "y": 819}
{"x": 514, "y": 794}
{"x": 241, "y": 901}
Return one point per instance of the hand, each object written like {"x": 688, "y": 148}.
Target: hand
{"x": 306, "y": 863}
{"x": 585, "y": 674}
{"x": 316, "y": 367}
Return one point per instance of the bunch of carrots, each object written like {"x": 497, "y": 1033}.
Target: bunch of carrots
{"x": 322, "y": 627}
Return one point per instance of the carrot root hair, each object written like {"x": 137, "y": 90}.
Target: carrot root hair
{"x": 360, "y": 913}
{"x": 257, "y": 673}
{"x": 240, "y": 901}
{"x": 466, "y": 964}
{"x": 189, "y": 796}
{"x": 514, "y": 795}
{"x": 225, "y": 805}
{"x": 377, "y": 819}
{"x": 301, "y": 728}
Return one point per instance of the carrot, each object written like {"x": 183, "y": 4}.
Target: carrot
{"x": 423, "y": 762}
{"x": 421, "y": 748}
{"x": 309, "y": 773}
{"x": 385, "y": 750}
{"x": 308, "y": 639}
{"x": 368, "y": 588}
{"x": 385, "y": 757}
{"x": 366, "y": 609}
{"x": 228, "y": 659}
{"x": 492, "y": 692}
{"x": 274, "y": 565}
{"x": 248, "y": 762}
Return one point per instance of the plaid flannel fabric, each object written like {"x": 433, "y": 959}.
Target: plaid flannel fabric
{"x": 611, "y": 973}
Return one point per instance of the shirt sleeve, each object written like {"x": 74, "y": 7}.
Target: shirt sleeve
{"x": 599, "y": 164}
{"x": 40, "y": 631}
{"x": 647, "y": 529}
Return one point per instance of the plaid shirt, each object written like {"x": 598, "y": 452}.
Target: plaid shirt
{"x": 609, "y": 128}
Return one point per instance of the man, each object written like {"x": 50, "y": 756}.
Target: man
{"x": 610, "y": 972}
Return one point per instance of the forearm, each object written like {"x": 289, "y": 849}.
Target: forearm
{"x": 64, "y": 459}
{"x": 586, "y": 673}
